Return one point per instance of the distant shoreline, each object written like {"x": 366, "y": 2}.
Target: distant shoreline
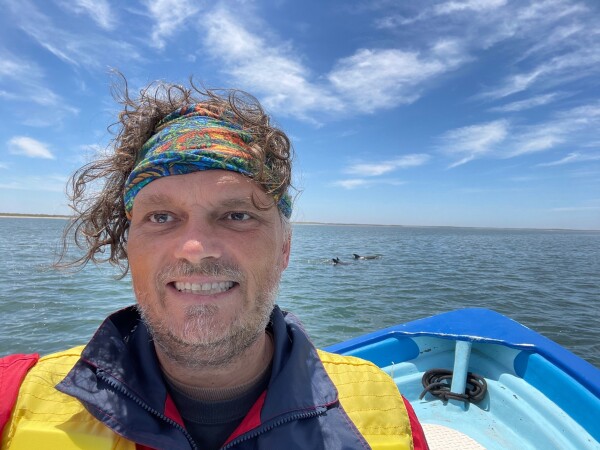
{"x": 331, "y": 224}
{"x": 32, "y": 216}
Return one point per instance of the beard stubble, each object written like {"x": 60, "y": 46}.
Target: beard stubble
{"x": 202, "y": 340}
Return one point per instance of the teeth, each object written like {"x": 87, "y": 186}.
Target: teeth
{"x": 204, "y": 288}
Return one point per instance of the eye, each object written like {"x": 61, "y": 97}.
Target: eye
{"x": 160, "y": 218}
{"x": 238, "y": 216}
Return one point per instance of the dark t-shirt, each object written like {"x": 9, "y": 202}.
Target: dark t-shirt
{"x": 211, "y": 421}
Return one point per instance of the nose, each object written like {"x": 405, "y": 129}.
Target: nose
{"x": 197, "y": 242}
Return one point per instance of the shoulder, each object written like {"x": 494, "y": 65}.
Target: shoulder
{"x": 357, "y": 378}
{"x": 36, "y": 385}
{"x": 371, "y": 399}
{"x": 13, "y": 369}
{"x": 57, "y": 365}
{"x": 350, "y": 368}
{"x": 44, "y": 417}
{"x": 39, "y": 409}
{"x": 334, "y": 358}
{"x": 39, "y": 384}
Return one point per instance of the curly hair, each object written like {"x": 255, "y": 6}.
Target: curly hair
{"x": 99, "y": 226}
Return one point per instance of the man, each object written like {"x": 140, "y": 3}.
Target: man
{"x": 195, "y": 203}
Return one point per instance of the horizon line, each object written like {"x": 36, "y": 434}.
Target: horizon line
{"x": 65, "y": 217}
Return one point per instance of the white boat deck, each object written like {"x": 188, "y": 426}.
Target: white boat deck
{"x": 443, "y": 438}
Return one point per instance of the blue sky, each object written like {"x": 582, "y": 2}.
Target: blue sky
{"x": 458, "y": 112}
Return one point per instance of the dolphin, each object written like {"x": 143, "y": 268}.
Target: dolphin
{"x": 366, "y": 257}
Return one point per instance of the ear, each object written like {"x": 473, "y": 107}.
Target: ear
{"x": 286, "y": 249}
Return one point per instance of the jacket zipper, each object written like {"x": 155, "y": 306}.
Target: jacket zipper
{"x": 319, "y": 410}
{"x": 116, "y": 385}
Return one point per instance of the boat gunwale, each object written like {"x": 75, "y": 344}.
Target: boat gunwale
{"x": 486, "y": 326}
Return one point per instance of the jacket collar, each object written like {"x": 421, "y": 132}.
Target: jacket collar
{"x": 298, "y": 378}
{"x": 122, "y": 348}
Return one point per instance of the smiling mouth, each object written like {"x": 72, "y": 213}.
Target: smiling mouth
{"x": 203, "y": 288}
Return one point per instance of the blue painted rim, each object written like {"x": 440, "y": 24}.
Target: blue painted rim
{"x": 486, "y": 326}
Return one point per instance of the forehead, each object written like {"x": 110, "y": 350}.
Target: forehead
{"x": 214, "y": 185}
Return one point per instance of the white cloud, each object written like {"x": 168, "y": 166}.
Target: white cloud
{"x": 354, "y": 183}
{"x": 444, "y": 9}
{"x": 371, "y": 169}
{"x": 515, "y": 83}
{"x": 77, "y": 49}
{"x": 529, "y": 103}
{"x": 529, "y": 22}
{"x": 581, "y": 115}
{"x": 537, "y": 138}
{"x": 524, "y": 179}
{"x": 550, "y": 41}
{"x": 265, "y": 67}
{"x": 558, "y": 39}
{"x": 366, "y": 81}
{"x": 582, "y": 122}
{"x": 98, "y": 10}
{"x": 474, "y": 141}
{"x": 24, "y": 81}
{"x": 592, "y": 144}
{"x": 26, "y": 146}
{"x": 3, "y": 165}
{"x": 467, "y": 5}
{"x": 351, "y": 183}
{"x": 376, "y": 169}
{"x": 372, "y": 79}
{"x": 573, "y": 157}
{"x": 169, "y": 16}
{"x": 569, "y": 67}
{"x": 556, "y": 42}
{"x": 8, "y": 95}
{"x": 12, "y": 68}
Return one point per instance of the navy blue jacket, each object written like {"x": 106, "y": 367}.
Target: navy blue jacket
{"x": 119, "y": 381}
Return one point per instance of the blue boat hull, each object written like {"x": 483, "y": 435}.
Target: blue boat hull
{"x": 539, "y": 395}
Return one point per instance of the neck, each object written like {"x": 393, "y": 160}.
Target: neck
{"x": 240, "y": 371}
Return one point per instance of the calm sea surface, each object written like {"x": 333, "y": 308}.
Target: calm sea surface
{"x": 547, "y": 280}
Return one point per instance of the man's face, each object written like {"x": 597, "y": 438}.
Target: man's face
{"x": 205, "y": 263}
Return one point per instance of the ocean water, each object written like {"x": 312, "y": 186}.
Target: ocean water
{"x": 547, "y": 280}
